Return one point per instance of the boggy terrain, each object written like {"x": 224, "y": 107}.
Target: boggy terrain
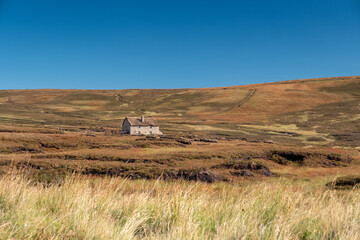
{"x": 301, "y": 128}
{"x": 49, "y": 155}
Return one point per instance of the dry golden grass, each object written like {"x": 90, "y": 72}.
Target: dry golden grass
{"x": 114, "y": 208}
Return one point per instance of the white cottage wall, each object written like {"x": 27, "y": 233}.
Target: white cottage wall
{"x": 144, "y": 130}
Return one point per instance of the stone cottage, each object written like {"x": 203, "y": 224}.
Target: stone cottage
{"x": 142, "y": 125}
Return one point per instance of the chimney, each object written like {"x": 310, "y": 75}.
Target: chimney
{"x": 142, "y": 119}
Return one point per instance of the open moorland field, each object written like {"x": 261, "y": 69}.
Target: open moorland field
{"x": 266, "y": 161}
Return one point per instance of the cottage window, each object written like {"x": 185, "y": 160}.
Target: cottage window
{"x": 150, "y": 132}
{"x": 150, "y": 126}
{"x": 139, "y": 127}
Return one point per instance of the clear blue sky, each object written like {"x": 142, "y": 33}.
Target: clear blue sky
{"x": 175, "y": 43}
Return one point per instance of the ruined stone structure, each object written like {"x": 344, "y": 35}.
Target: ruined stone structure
{"x": 136, "y": 126}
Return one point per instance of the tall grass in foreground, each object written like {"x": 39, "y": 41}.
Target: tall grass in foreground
{"x": 114, "y": 208}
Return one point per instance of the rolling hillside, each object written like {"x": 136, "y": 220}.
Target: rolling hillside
{"x": 311, "y": 111}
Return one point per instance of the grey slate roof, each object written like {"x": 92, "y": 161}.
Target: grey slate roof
{"x": 148, "y": 121}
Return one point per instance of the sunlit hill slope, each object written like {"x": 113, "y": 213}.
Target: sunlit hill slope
{"x": 311, "y": 111}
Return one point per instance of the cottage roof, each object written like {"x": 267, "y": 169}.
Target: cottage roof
{"x": 148, "y": 121}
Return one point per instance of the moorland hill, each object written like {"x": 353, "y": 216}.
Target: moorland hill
{"x": 310, "y": 111}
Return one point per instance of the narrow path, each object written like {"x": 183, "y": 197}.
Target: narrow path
{"x": 248, "y": 96}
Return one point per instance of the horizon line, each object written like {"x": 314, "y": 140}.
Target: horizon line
{"x": 116, "y": 89}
